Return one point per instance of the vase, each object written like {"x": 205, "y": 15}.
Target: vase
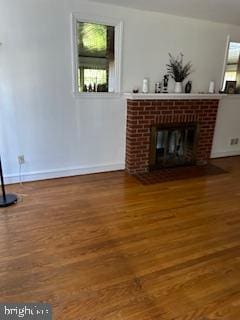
{"x": 188, "y": 87}
{"x": 211, "y": 87}
{"x": 145, "y": 87}
{"x": 178, "y": 87}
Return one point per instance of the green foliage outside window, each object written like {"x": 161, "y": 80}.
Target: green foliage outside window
{"x": 95, "y": 55}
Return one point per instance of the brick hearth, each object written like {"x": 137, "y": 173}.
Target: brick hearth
{"x": 142, "y": 114}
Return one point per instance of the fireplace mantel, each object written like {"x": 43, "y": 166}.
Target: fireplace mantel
{"x": 173, "y": 96}
{"x": 146, "y": 111}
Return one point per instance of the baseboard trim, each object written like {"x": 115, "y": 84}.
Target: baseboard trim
{"x": 61, "y": 173}
{"x": 225, "y": 154}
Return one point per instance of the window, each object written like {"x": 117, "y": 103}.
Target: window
{"x": 232, "y": 68}
{"x": 96, "y": 55}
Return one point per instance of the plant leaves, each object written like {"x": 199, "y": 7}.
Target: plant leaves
{"x": 176, "y": 69}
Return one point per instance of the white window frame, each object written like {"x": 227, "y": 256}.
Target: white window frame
{"x": 85, "y": 17}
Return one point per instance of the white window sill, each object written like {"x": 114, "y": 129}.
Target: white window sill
{"x": 97, "y": 95}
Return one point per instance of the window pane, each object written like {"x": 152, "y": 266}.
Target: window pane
{"x": 232, "y": 71}
{"x": 229, "y": 76}
{"x": 92, "y": 39}
{"x": 95, "y": 57}
{"x": 95, "y": 80}
{"x": 233, "y": 53}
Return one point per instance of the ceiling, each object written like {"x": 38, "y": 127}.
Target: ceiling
{"x": 225, "y": 11}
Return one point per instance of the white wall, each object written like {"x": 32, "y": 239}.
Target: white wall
{"x": 227, "y": 128}
{"x": 60, "y": 134}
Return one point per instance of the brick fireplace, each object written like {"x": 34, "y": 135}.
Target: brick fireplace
{"x": 143, "y": 115}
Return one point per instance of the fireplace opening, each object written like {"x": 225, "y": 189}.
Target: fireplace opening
{"x": 173, "y": 145}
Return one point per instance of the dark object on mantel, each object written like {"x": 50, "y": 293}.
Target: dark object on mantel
{"x": 188, "y": 87}
{"x": 231, "y": 87}
{"x": 158, "y": 87}
{"x": 165, "y": 83}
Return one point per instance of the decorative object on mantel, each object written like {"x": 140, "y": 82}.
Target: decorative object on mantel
{"x": 165, "y": 83}
{"x": 145, "y": 87}
{"x": 188, "y": 87}
{"x": 211, "y": 87}
{"x": 230, "y": 87}
{"x": 158, "y": 87}
{"x": 135, "y": 90}
{"x": 178, "y": 71}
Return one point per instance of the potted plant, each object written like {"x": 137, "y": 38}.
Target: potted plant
{"x": 178, "y": 71}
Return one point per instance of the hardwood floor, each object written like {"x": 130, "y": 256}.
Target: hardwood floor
{"x": 105, "y": 247}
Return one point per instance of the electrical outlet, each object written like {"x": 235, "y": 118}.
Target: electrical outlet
{"x": 21, "y": 159}
{"x": 234, "y": 141}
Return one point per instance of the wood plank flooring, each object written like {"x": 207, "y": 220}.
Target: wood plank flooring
{"x": 105, "y": 247}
